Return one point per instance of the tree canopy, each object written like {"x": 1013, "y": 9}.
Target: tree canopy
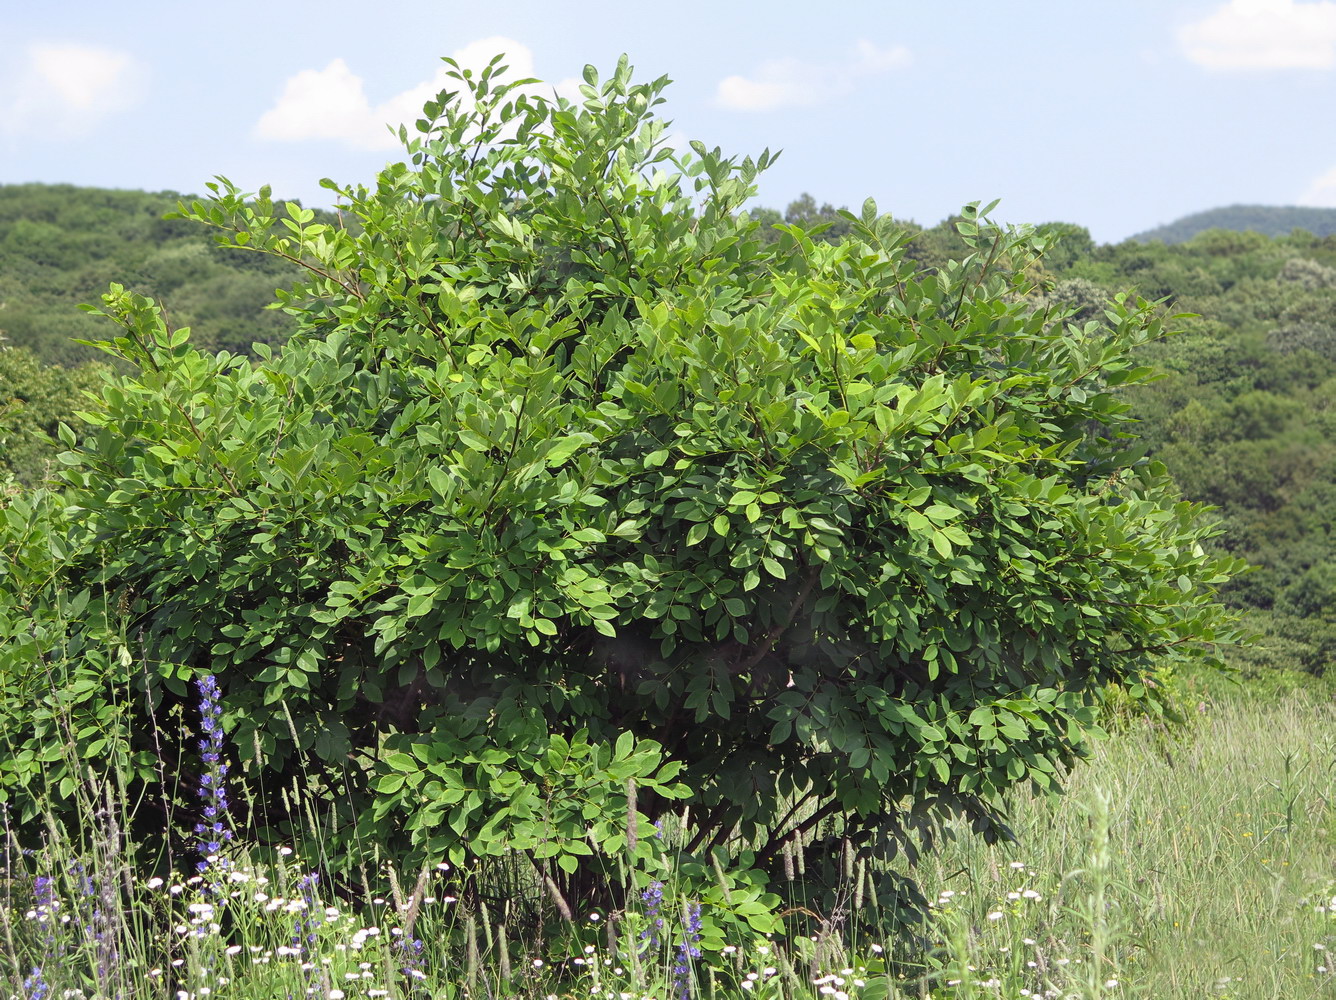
{"x": 1245, "y": 418}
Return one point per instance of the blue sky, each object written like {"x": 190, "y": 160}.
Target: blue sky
{"x": 1113, "y": 114}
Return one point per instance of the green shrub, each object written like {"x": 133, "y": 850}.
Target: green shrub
{"x": 571, "y": 490}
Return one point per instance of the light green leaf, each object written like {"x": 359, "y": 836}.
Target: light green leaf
{"x": 401, "y": 762}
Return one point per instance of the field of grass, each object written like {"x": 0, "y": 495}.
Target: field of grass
{"x": 1193, "y": 864}
{"x": 1216, "y": 877}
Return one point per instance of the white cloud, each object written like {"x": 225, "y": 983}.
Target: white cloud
{"x": 332, "y": 103}
{"x": 569, "y": 88}
{"x": 1262, "y": 35}
{"x": 66, "y": 88}
{"x": 793, "y": 83}
{"x": 1322, "y": 192}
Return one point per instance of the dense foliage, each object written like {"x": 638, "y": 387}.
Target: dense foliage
{"x": 1246, "y": 419}
{"x": 572, "y": 497}
{"x": 34, "y": 399}
{"x": 1263, "y": 345}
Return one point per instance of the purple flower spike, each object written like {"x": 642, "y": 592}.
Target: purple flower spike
{"x": 35, "y": 986}
{"x": 213, "y": 834}
{"x": 305, "y": 930}
{"x": 652, "y": 897}
{"x": 686, "y": 951}
{"x": 410, "y": 957}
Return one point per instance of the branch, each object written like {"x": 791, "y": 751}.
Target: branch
{"x": 768, "y": 643}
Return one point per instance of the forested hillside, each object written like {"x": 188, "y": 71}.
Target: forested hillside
{"x": 1245, "y": 418}
{"x": 1269, "y": 220}
{"x": 61, "y": 245}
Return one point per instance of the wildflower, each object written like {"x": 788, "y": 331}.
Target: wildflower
{"x": 212, "y": 831}
{"x": 35, "y": 986}
{"x": 686, "y": 951}
{"x": 652, "y": 897}
{"x": 410, "y": 953}
{"x": 44, "y": 894}
{"x": 305, "y": 926}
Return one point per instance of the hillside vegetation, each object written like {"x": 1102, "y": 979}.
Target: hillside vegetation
{"x": 61, "y": 245}
{"x": 1269, "y": 220}
{"x": 585, "y": 586}
{"x": 1246, "y": 416}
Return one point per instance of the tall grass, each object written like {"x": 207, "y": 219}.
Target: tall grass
{"x": 1199, "y": 864}
{"x": 1203, "y": 865}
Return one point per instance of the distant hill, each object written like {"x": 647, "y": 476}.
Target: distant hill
{"x": 1271, "y": 220}
{"x": 61, "y": 245}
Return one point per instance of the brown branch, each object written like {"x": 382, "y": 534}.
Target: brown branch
{"x": 777, "y": 840}
{"x": 768, "y": 643}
